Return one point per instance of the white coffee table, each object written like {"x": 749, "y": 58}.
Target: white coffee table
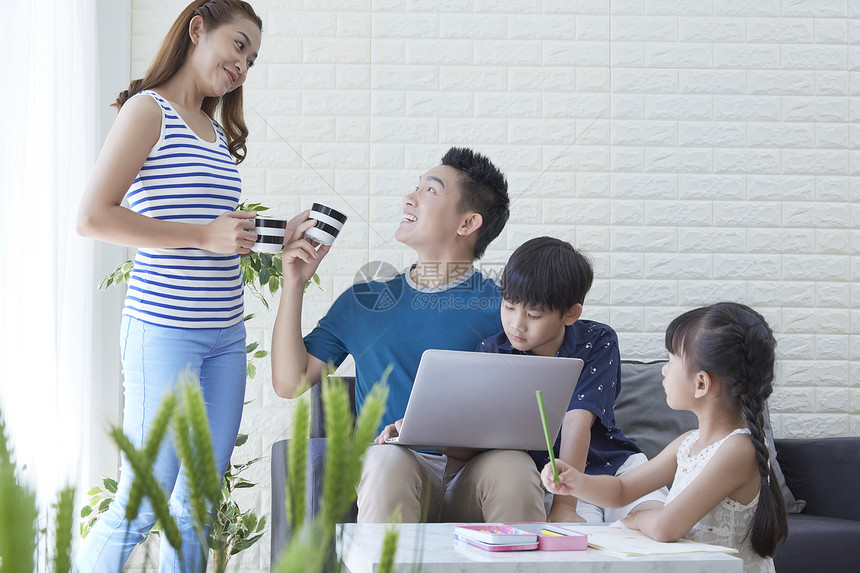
{"x": 433, "y": 546}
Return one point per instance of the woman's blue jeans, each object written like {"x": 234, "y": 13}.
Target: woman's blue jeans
{"x": 153, "y": 357}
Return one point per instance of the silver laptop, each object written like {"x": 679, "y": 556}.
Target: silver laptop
{"x": 479, "y": 400}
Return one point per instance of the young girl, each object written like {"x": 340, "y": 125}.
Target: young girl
{"x": 177, "y": 168}
{"x": 724, "y": 491}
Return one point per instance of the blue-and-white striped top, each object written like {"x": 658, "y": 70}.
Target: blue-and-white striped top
{"x": 189, "y": 180}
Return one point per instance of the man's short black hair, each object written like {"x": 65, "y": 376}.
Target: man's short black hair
{"x": 547, "y": 273}
{"x": 484, "y": 190}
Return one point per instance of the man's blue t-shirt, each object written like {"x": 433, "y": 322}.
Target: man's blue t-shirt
{"x": 392, "y": 322}
{"x": 598, "y": 386}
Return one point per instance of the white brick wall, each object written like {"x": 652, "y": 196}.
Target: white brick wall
{"x": 698, "y": 150}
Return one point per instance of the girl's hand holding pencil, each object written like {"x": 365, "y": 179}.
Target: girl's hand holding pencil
{"x": 557, "y": 476}
{"x": 565, "y": 484}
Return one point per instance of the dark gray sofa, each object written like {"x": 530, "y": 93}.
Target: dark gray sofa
{"x": 820, "y": 476}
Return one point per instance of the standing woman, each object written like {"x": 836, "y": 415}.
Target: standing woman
{"x": 177, "y": 168}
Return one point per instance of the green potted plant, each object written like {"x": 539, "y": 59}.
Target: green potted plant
{"x": 233, "y": 530}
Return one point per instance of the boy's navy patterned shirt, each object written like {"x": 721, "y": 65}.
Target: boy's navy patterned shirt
{"x": 598, "y": 386}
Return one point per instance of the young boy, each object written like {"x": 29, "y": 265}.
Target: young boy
{"x": 441, "y": 301}
{"x": 543, "y": 288}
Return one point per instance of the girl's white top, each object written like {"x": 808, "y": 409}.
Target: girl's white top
{"x": 728, "y": 523}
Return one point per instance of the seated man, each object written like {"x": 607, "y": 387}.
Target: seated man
{"x": 441, "y": 301}
{"x": 543, "y": 288}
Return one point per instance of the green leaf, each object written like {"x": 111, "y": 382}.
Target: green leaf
{"x": 241, "y": 439}
{"x": 91, "y": 523}
{"x": 252, "y": 371}
{"x": 86, "y": 510}
{"x": 246, "y": 543}
{"x": 251, "y": 347}
{"x": 244, "y": 485}
{"x": 110, "y": 484}
{"x": 261, "y": 354}
{"x": 104, "y": 505}
{"x": 249, "y": 317}
{"x": 95, "y": 490}
{"x": 251, "y": 207}
{"x": 265, "y": 275}
{"x": 122, "y": 273}
{"x": 242, "y": 467}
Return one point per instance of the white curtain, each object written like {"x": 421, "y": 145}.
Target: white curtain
{"x": 46, "y": 271}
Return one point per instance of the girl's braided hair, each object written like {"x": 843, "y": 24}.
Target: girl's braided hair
{"x": 735, "y": 344}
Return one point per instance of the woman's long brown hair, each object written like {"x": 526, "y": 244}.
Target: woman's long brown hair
{"x": 172, "y": 55}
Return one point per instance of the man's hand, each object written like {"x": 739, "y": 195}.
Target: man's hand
{"x": 389, "y": 431}
{"x": 301, "y": 257}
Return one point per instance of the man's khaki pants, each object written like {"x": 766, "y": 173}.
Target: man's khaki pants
{"x": 494, "y": 486}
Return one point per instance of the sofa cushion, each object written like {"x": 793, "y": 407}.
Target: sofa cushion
{"x": 819, "y": 544}
{"x": 643, "y": 415}
{"x": 818, "y": 469}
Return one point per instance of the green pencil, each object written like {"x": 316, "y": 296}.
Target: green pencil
{"x": 539, "y": 395}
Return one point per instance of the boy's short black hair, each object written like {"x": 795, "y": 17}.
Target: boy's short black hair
{"x": 547, "y": 273}
{"x": 484, "y": 190}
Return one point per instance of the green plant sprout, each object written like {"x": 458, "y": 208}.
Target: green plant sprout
{"x": 233, "y": 530}
{"x": 311, "y": 547}
{"x": 20, "y": 549}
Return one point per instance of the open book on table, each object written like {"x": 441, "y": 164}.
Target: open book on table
{"x": 628, "y": 542}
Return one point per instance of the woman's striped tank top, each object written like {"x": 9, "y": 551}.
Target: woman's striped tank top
{"x": 189, "y": 180}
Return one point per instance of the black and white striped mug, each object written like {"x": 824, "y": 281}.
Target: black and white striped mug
{"x": 270, "y": 234}
{"x": 329, "y": 223}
